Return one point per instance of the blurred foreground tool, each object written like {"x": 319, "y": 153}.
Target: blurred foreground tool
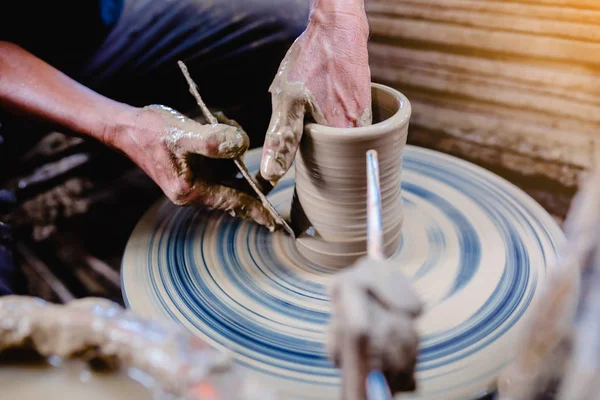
{"x": 559, "y": 353}
{"x": 377, "y": 387}
{"x": 371, "y": 334}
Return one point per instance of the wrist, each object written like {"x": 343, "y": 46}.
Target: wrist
{"x": 351, "y": 7}
{"x": 119, "y": 129}
{"x": 333, "y": 15}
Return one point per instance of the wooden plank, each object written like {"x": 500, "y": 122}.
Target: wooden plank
{"x": 499, "y": 7}
{"x": 489, "y": 21}
{"x": 584, "y": 4}
{"x": 524, "y": 116}
{"x": 520, "y": 137}
{"x": 463, "y": 85}
{"x": 523, "y": 165}
{"x": 545, "y": 89}
{"x": 484, "y": 40}
{"x": 578, "y": 81}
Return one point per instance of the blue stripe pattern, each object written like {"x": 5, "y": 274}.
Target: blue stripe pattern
{"x": 476, "y": 248}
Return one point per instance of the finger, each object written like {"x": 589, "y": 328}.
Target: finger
{"x": 223, "y": 119}
{"x": 283, "y": 135}
{"x": 335, "y": 329}
{"x": 393, "y": 348}
{"x": 401, "y": 362}
{"x": 351, "y": 306}
{"x": 403, "y": 342}
{"x": 213, "y": 141}
{"x": 333, "y": 343}
{"x": 223, "y": 198}
{"x": 354, "y": 368}
{"x": 401, "y": 381}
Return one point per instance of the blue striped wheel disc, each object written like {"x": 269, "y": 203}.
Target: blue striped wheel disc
{"x": 476, "y": 248}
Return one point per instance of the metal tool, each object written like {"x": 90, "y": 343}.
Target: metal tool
{"x": 264, "y": 185}
{"x": 374, "y": 219}
{"x": 377, "y": 387}
{"x": 239, "y": 163}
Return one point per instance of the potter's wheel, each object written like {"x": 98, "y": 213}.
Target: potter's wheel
{"x": 476, "y": 248}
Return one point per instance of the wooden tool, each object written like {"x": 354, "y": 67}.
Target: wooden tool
{"x": 377, "y": 387}
{"x": 238, "y": 161}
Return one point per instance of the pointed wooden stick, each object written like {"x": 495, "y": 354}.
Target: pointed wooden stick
{"x": 239, "y": 163}
{"x": 194, "y": 91}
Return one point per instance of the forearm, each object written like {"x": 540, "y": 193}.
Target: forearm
{"x": 31, "y": 87}
{"x": 340, "y": 13}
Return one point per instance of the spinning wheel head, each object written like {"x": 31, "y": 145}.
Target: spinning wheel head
{"x": 475, "y": 247}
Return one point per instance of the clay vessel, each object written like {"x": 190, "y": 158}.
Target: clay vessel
{"x": 329, "y": 210}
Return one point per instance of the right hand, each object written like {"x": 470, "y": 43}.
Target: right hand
{"x": 165, "y": 144}
{"x": 325, "y": 74}
{"x": 372, "y": 326}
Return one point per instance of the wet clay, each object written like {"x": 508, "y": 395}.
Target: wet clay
{"x": 172, "y": 363}
{"x": 214, "y": 122}
{"x": 186, "y": 138}
{"x": 329, "y": 208}
{"x": 291, "y": 100}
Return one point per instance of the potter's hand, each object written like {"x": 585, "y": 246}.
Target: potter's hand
{"x": 372, "y": 326}
{"x": 165, "y": 144}
{"x": 160, "y": 141}
{"x": 326, "y": 74}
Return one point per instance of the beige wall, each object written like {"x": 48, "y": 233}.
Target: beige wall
{"x": 515, "y": 84}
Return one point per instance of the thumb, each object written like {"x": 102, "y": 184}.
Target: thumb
{"x": 184, "y": 136}
{"x": 283, "y": 135}
{"x": 353, "y": 308}
{"x": 214, "y": 141}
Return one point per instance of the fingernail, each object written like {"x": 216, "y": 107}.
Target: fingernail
{"x": 234, "y": 142}
{"x": 263, "y": 217}
{"x": 272, "y": 168}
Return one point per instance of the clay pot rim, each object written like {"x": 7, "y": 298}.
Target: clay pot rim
{"x": 400, "y": 118}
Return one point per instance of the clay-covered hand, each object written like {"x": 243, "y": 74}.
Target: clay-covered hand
{"x": 325, "y": 74}
{"x": 372, "y": 326}
{"x": 175, "y": 152}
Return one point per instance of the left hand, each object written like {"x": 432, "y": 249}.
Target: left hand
{"x": 372, "y": 326}
{"x": 182, "y": 156}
